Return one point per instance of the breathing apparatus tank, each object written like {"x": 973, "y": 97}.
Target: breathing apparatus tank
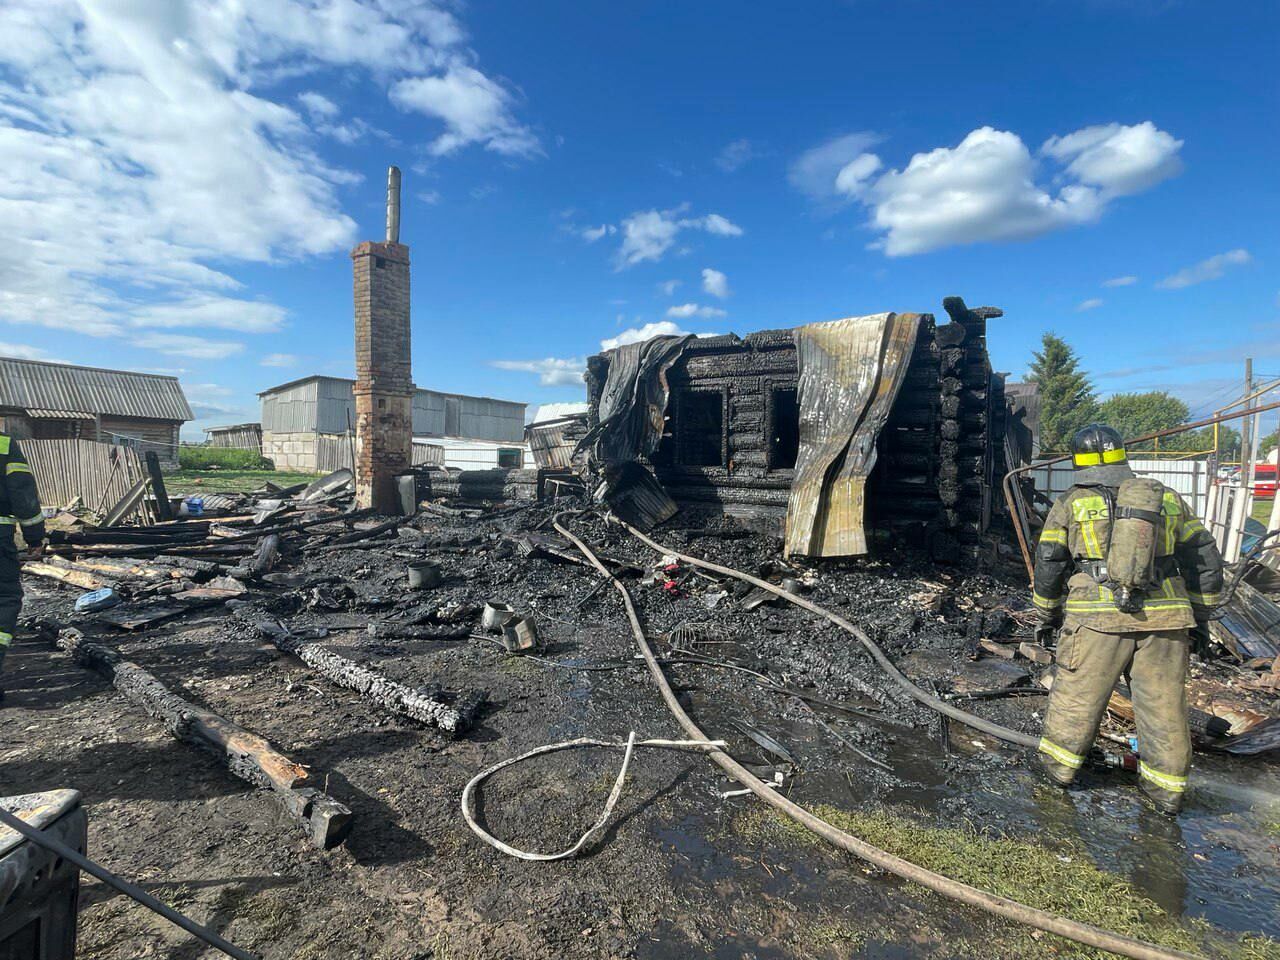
{"x": 1131, "y": 553}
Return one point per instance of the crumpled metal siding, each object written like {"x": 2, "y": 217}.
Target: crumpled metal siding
{"x": 850, "y": 372}
{"x": 633, "y": 404}
{"x": 27, "y": 384}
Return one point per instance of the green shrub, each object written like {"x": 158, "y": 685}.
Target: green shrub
{"x": 221, "y": 458}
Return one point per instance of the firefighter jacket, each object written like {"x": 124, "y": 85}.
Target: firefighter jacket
{"x": 1070, "y": 567}
{"x": 19, "y": 500}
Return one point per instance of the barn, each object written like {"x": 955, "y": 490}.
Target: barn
{"x": 306, "y": 425}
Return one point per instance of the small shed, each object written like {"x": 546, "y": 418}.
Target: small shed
{"x": 48, "y": 401}
{"x": 237, "y": 436}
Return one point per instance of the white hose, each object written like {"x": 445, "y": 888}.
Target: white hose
{"x": 468, "y": 798}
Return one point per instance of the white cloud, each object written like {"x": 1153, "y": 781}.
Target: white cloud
{"x": 736, "y": 155}
{"x": 649, "y": 234}
{"x": 429, "y": 197}
{"x": 1117, "y": 159}
{"x": 205, "y": 310}
{"x": 318, "y": 105}
{"x": 815, "y": 171}
{"x": 715, "y": 224}
{"x": 181, "y": 345}
{"x": 715, "y": 283}
{"x": 686, "y": 310}
{"x": 668, "y": 287}
{"x": 854, "y": 176}
{"x": 1091, "y": 304}
{"x": 23, "y": 352}
{"x": 279, "y": 360}
{"x": 662, "y": 328}
{"x": 985, "y": 188}
{"x": 149, "y": 148}
{"x": 474, "y": 109}
{"x": 1209, "y": 269}
{"x": 592, "y": 234}
{"x": 1126, "y": 281}
{"x": 551, "y": 371}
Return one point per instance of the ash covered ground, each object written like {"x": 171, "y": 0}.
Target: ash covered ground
{"x": 681, "y": 871}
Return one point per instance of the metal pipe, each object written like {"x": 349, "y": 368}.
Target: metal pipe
{"x": 57, "y": 847}
{"x": 393, "y": 204}
{"x": 1007, "y": 483}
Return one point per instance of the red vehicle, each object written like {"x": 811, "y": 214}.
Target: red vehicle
{"x": 1264, "y": 481}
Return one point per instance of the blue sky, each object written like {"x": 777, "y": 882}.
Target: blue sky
{"x": 184, "y": 181}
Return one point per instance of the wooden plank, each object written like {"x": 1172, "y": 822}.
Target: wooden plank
{"x": 76, "y": 578}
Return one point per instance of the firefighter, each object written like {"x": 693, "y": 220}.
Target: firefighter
{"x": 19, "y": 504}
{"x": 1124, "y": 572}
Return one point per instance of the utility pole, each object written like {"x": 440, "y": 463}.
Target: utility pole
{"x": 1246, "y": 425}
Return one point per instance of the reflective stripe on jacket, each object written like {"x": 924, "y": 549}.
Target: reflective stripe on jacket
{"x": 19, "y": 499}
{"x": 1078, "y": 528}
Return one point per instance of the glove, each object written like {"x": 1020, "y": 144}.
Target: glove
{"x": 1047, "y": 634}
{"x": 33, "y": 535}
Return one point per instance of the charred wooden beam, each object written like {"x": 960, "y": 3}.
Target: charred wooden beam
{"x": 394, "y": 697}
{"x": 247, "y": 755}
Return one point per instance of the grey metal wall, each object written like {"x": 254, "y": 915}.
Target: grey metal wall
{"x": 323, "y": 404}
{"x": 479, "y": 418}
{"x": 291, "y": 410}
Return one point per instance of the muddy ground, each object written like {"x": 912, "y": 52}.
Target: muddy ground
{"x": 681, "y": 872}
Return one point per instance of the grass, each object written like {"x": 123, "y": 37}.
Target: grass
{"x": 1262, "y": 511}
{"x": 230, "y": 481}
{"x": 1064, "y": 881}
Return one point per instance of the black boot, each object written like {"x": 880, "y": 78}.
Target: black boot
{"x": 1165, "y": 801}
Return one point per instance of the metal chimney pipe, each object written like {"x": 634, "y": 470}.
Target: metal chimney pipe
{"x": 393, "y": 205}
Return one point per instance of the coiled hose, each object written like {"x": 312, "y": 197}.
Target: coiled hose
{"x": 963, "y": 893}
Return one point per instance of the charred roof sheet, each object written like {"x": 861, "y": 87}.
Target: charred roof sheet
{"x": 40, "y": 385}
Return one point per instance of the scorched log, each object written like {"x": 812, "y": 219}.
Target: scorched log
{"x": 247, "y": 755}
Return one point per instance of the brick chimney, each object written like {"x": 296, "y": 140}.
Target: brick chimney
{"x": 384, "y": 380}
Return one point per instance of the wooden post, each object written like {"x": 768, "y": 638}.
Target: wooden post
{"x": 163, "y": 510}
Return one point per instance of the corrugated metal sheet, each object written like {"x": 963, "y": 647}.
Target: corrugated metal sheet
{"x": 552, "y": 442}
{"x": 850, "y": 374}
{"x": 327, "y": 405}
{"x": 35, "y": 384}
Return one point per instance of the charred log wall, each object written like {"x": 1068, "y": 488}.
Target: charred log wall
{"x": 725, "y": 443}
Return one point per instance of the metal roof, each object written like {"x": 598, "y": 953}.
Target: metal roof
{"x": 324, "y": 376}
{"x": 38, "y": 385}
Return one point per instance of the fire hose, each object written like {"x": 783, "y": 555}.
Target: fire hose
{"x": 961, "y": 892}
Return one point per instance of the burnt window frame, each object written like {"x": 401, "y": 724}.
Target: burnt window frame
{"x": 770, "y": 385}
{"x": 678, "y": 394}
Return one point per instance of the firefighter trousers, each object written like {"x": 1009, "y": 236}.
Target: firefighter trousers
{"x": 10, "y": 589}
{"x": 1089, "y": 664}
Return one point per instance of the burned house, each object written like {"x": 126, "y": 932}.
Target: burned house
{"x": 832, "y": 434}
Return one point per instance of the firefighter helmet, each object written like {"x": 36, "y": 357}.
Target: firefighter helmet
{"x": 1097, "y": 444}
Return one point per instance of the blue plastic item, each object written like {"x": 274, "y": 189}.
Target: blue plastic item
{"x": 97, "y": 600}
{"x": 195, "y": 506}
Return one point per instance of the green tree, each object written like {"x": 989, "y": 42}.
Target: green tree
{"x": 1202, "y": 440}
{"x": 1137, "y": 414}
{"x": 1268, "y": 443}
{"x": 1067, "y": 399}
